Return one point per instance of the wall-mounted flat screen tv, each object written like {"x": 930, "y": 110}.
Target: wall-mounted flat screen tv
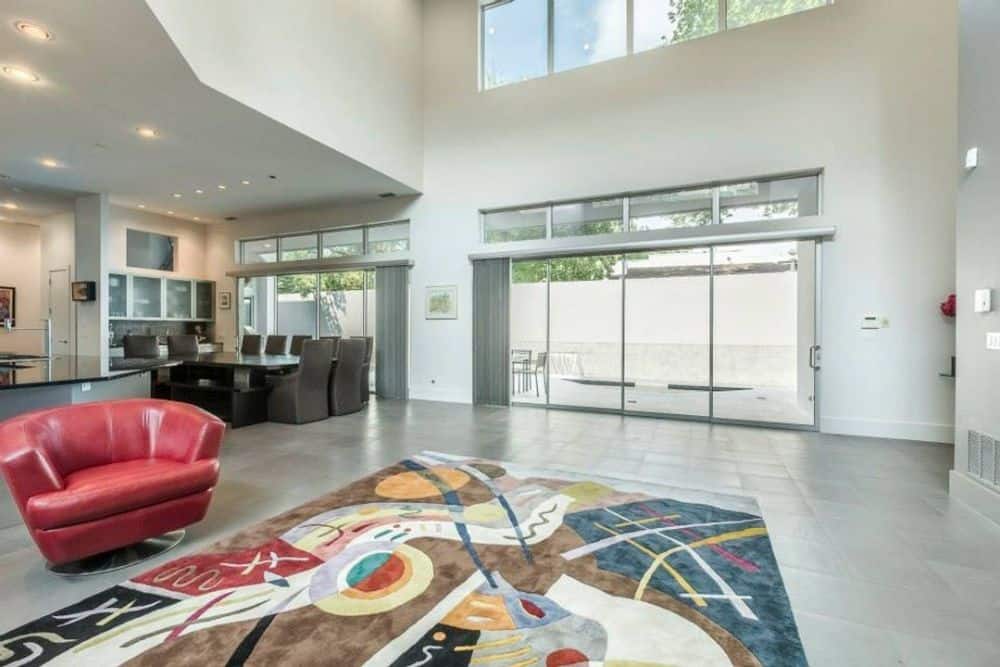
{"x": 146, "y": 250}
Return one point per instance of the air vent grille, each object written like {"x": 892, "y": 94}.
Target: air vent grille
{"x": 984, "y": 457}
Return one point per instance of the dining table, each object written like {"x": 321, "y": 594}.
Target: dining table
{"x": 230, "y": 385}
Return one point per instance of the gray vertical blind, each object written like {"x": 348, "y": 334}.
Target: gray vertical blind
{"x": 491, "y": 332}
{"x": 391, "y": 327}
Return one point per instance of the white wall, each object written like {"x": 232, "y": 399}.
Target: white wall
{"x": 978, "y": 241}
{"x": 850, "y": 88}
{"x": 190, "y": 255}
{"x": 842, "y": 88}
{"x": 344, "y": 73}
{"x": 58, "y": 247}
{"x": 20, "y": 258}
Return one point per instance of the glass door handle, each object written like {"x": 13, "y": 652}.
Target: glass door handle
{"x": 814, "y": 357}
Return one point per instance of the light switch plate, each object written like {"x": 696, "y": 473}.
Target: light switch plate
{"x": 972, "y": 158}
{"x": 993, "y": 340}
{"x": 983, "y": 301}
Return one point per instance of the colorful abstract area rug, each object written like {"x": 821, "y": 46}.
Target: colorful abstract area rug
{"x": 452, "y": 561}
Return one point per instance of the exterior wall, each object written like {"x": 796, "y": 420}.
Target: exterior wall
{"x": 822, "y": 89}
{"x": 978, "y": 372}
{"x": 826, "y": 88}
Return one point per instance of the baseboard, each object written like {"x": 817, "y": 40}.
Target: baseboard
{"x": 975, "y": 495}
{"x": 876, "y": 428}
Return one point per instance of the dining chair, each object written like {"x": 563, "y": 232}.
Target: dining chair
{"x": 184, "y": 345}
{"x": 520, "y": 368}
{"x": 296, "y": 347}
{"x": 251, "y": 344}
{"x": 276, "y": 345}
{"x": 303, "y": 395}
{"x": 141, "y": 347}
{"x": 541, "y": 363}
{"x": 345, "y": 382}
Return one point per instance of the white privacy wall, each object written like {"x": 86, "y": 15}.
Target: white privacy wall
{"x": 854, "y": 88}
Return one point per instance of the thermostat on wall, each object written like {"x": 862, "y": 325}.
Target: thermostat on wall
{"x": 874, "y": 322}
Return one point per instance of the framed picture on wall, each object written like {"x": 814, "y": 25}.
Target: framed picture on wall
{"x": 225, "y": 300}
{"x": 442, "y": 302}
{"x": 8, "y": 304}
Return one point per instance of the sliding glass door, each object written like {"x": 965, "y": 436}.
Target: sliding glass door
{"x": 723, "y": 333}
{"x": 764, "y": 305}
{"x": 585, "y": 332}
{"x": 529, "y": 326}
{"x": 667, "y": 326}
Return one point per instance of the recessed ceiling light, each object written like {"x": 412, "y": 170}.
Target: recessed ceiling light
{"x": 50, "y": 163}
{"x": 9, "y": 205}
{"x": 33, "y": 31}
{"x": 199, "y": 191}
{"x": 147, "y": 132}
{"x": 18, "y": 74}
{"x": 177, "y": 195}
{"x": 142, "y": 206}
{"x": 222, "y": 187}
{"x": 245, "y": 182}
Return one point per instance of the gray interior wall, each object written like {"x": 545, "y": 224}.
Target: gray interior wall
{"x": 978, "y": 238}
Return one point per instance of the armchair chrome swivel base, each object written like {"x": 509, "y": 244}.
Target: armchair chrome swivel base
{"x": 118, "y": 559}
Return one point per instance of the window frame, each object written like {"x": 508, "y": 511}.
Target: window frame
{"x": 318, "y": 233}
{"x": 714, "y": 187}
{"x": 723, "y": 26}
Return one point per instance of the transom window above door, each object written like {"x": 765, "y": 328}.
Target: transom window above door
{"x": 750, "y": 200}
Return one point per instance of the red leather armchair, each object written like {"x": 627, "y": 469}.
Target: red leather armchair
{"x": 94, "y": 477}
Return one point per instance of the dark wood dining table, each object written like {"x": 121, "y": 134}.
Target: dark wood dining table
{"x": 230, "y": 385}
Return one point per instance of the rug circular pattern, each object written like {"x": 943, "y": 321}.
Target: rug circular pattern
{"x": 412, "y": 485}
{"x": 371, "y": 579}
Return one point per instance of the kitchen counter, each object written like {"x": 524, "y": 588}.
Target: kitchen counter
{"x": 18, "y": 372}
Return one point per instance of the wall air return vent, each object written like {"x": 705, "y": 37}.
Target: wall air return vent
{"x": 984, "y": 458}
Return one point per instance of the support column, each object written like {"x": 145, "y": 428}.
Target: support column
{"x": 92, "y": 223}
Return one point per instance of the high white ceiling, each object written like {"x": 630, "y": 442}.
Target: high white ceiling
{"x": 111, "y": 68}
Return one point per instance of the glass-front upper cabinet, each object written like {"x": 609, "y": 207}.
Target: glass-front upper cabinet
{"x": 178, "y": 299}
{"x": 117, "y": 295}
{"x": 204, "y": 302}
{"x": 147, "y": 300}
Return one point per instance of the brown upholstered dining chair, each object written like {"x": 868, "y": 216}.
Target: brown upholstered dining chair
{"x": 178, "y": 346}
{"x": 276, "y": 345}
{"x": 297, "y": 342}
{"x": 141, "y": 347}
{"x": 252, "y": 345}
{"x": 302, "y": 395}
{"x": 345, "y": 383}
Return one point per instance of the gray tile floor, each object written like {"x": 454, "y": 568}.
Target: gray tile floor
{"x": 881, "y": 567}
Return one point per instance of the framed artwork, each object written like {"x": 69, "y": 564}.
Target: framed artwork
{"x": 441, "y": 303}
{"x": 225, "y": 300}
{"x": 8, "y": 304}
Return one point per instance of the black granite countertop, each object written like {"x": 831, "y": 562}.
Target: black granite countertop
{"x": 70, "y": 369}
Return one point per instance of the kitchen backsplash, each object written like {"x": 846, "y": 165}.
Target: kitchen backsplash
{"x": 120, "y": 328}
